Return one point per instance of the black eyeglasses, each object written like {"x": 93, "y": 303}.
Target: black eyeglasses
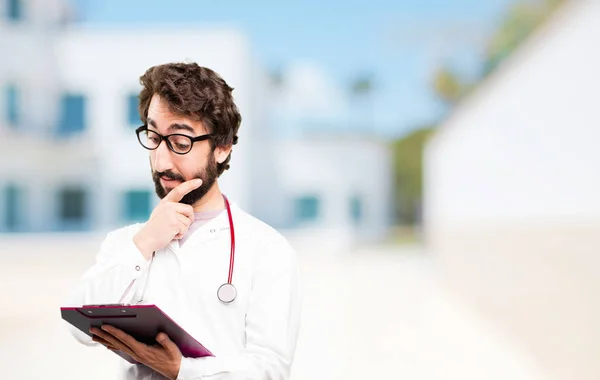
{"x": 177, "y": 143}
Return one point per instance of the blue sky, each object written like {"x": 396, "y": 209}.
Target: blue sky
{"x": 397, "y": 42}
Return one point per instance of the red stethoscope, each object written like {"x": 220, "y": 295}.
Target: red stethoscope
{"x": 227, "y": 292}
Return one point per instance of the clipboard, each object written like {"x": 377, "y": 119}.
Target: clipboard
{"x": 143, "y": 322}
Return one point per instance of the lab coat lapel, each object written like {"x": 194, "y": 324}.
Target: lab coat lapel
{"x": 208, "y": 231}
{"x": 211, "y": 230}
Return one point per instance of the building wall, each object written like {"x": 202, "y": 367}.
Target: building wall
{"x": 87, "y": 60}
{"x": 28, "y": 60}
{"x": 105, "y": 158}
{"x": 511, "y": 196}
{"x": 333, "y": 171}
{"x": 96, "y": 71}
{"x": 27, "y": 150}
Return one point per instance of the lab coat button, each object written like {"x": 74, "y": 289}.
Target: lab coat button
{"x": 213, "y": 231}
{"x": 137, "y": 267}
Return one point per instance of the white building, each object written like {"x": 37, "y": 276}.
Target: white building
{"x": 68, "y": 128}
{"x": 70, "y": 156}
{"x": 329, "y": 180}
{"x": 343, "y": 183}
{"x": 512, "y": 201}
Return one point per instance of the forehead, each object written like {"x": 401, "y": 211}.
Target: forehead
{"x": 163, "y": 119}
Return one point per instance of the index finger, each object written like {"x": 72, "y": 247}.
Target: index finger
{"x": 181, "y": 190}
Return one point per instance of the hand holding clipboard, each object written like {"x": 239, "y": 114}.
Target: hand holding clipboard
{"x": 143, "y": 323}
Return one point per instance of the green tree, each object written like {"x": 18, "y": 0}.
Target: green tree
{"x": 362, "y": 85}
{"x": 448, "y": 85}
{"x": 361, "y": 90}
{"x": 519, "y": 22}
{"x": 408, "y": 181}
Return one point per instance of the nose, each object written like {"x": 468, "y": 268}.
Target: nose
{"x": 162, "y": 157}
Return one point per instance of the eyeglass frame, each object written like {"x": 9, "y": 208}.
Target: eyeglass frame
{"x": 166, "y": 139}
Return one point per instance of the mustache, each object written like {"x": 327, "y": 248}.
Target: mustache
{"x": 169, "y": 175}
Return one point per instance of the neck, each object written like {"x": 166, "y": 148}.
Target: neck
{"x": 211, "y": 201}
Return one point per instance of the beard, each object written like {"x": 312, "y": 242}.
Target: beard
{"x": 208, "y": 177}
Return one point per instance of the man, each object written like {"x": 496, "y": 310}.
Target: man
{"x": 180, "y": 257}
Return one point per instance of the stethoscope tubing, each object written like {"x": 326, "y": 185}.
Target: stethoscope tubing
{"x": 232, "y": 233}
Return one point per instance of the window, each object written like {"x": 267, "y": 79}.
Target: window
{"x": 137, "y": 205}
{"x": 356, "y": 209}
{"x": 306, "y": 208}
{"x": 72, "y": 203}
{"x": 12, "y": 201}
{"x": 72, "y": 114}
{"x": 14, "y": 10}
{"x": 133, "y": 115}
{"x": 12, "y": 105}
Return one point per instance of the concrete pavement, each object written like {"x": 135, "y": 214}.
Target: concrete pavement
{"x": 375, "y": 312}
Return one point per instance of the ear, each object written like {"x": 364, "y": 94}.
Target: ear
{"x": 221, "y": 153}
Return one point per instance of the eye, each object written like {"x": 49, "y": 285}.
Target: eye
{"x": 153, "y": 138}
{"x": 181, "y": 143}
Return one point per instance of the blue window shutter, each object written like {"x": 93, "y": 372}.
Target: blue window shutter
{"x": 72, "y": 114}
{"x": 72, "y": 205}
{"x": 133, "y": 115}
{"x": 356, "y": 209}
{"x": 306, "y": 208}
{"x": 12, "y": 202}
{"x": 12, "y": 105}
{"x": 137, "y": 205}
{"x": 15, "y": 10}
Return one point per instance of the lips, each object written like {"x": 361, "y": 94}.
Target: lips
{"x": 168, "y": 181}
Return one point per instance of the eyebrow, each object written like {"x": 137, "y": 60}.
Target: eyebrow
{"x": 174, "y": 127}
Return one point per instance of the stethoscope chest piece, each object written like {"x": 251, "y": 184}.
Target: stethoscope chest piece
{"x": 226, "y": 293}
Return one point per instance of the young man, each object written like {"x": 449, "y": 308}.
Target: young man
{"x": 179, "y": 259}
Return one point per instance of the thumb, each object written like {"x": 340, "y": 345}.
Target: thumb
{"x": 167, "y": 343}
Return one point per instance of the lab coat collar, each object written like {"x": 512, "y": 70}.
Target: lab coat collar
{"x": 210, "y": 230}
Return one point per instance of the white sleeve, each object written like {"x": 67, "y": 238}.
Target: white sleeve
{"x": 272, "y": 324}
{"x": 118, "y": 271}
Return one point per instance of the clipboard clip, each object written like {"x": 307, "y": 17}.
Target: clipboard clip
{"x": 107, "y": 305}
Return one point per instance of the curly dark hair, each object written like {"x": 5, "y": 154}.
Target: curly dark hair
{"x": 197, "y": 93}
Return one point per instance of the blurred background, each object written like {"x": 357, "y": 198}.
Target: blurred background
{"x": 434, "y": 163}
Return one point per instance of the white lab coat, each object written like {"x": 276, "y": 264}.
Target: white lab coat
{"x": 252, "y": 338}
